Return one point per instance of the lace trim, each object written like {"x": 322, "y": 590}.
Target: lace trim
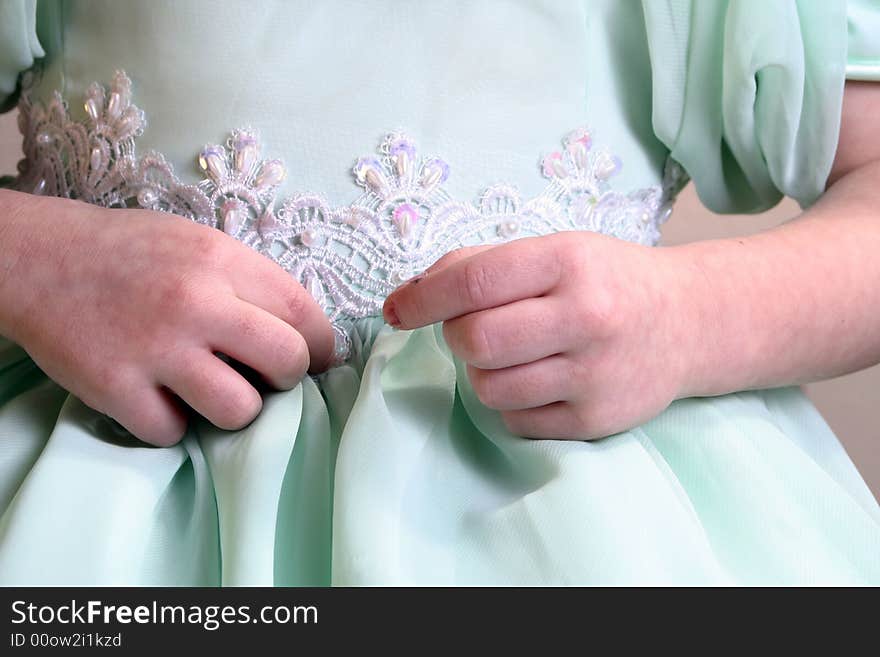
{"x": 349, "y": 258}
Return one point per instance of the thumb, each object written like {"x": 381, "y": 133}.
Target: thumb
{"x": 442, "y": 263}
{"x": 454, "y": 256}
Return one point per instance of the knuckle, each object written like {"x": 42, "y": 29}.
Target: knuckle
{"x": 163, "y": 434}
{"x": 184, "y": 292}
{"x": 570, "y": 251}
{"x": 485, "y": 388}
{"x": 589, "y": 422}
{"x": 248, "y": 326}
{"x": 515, "y": 424}
{"x": 564, "y": 249}
{"x": 295, "y": 303}
{"x": 239, "y": 409}
{"x": 96, "y": 400}
{"x": 156, "y": 424}
{"x": 182, "y": 360}
{"x": 208, "y": 246}
{"x": 476, "y": 282}
{"x": 110, "y": 383}
{"x": 470, "y": 341}
{"x": 567, "y": 254}
{"x": 292, "y": 300}
{"x": 578, "y": 377}
{"x": 292, "y": 358}
{"x": 581, "y": 425}
{"x": 601, "y": 313}
{"x": 228, "y": 403}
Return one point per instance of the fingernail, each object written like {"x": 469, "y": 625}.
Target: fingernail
{"x": 391, "y": 315}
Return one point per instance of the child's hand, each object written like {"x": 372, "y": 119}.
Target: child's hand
{"x": 572, "y": 335}
{"x": 126, "y": 309}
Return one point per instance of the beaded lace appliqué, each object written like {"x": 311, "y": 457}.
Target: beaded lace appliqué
{"x": 349, "y": 258}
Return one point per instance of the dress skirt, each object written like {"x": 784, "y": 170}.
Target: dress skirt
{"x": 389, "y": 471}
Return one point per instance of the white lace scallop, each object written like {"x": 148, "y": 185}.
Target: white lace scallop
{"x": 349, "y": 258}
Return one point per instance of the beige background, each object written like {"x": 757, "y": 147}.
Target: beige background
{"x": 851, "y": 404}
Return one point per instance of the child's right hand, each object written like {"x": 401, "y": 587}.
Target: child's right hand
{"x": 127, "y": 309}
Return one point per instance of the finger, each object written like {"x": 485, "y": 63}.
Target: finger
{"x": 261, "y": 341}
{"x": 454, "y": 256}
{"x": 520, "y": 332}
{"x": 531, "y": 385}
{"x": 494, "y": 277}
{"x": 557, "y": 420}
{"x": 213, "y": 389}
{"x": 152, "y": 414}
{"x": 267, "y": 285}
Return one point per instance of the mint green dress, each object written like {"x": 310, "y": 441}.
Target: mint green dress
{"x": 387, "y": 469}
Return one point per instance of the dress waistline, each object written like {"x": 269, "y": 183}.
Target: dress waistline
{"x": 349, "y": 258}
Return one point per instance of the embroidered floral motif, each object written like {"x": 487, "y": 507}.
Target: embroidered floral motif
{"x": 349, "y": 258}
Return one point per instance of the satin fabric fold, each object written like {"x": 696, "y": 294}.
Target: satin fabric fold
{"x": 390, "y": 471}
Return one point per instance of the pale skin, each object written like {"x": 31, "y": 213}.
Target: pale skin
{"x": 128, "y": 308}
{"x": 573, "y": 335}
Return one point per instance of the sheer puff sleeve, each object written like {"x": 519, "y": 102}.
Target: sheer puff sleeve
{"x": 19, "y": 44}
{"x": 747, "y": 95}
{"x": 863, "y": 27}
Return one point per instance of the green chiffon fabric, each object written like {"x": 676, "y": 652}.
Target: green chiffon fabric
{"x": 388, "y": 469}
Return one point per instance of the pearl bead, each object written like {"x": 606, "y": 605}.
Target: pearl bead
{"x": 272, "y": 173}
{"x": 147, "y": 198}
{"x": 44, "y": 138}
{"x": 234, "y": 216}
{"x": 93, "y": 108}
{"x": 368, "y": 172}
{"x": 309, "y": 237}
{"x": 246, "y": 149}
{"x": 402, "y": 152}
{"x": 95, "y": 158}
{"x": 434, "y": 172}
{"x": 404, "y": 217}
{"x": 114, "y": 106}
{"x": 508, "y": 228}
{"x": 212, "y": 161}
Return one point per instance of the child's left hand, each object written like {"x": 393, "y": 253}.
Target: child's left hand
{"x": 572, "y": 335}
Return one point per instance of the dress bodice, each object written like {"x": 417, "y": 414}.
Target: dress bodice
{"x": 489, "y": 86}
